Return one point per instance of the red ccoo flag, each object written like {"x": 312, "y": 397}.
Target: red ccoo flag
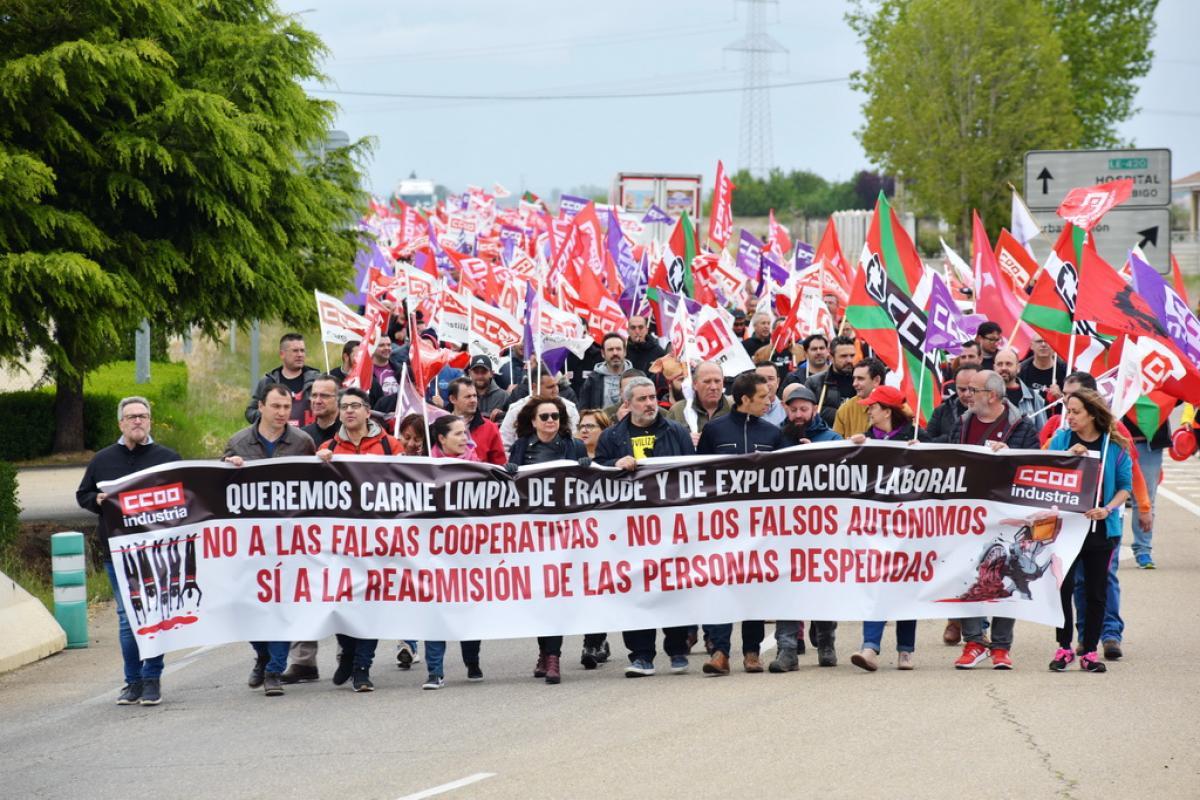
{"x": 1085, "y": 205}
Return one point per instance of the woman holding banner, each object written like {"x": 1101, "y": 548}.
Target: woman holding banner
{"x": 890, "y": 419}
{"x": 544, "y": 435}
{"x": 1091, "y": 427}
{"x": 449, "y": 439}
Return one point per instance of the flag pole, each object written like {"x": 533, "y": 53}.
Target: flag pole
{"x": 920, "y": 391}
{"x": 325, "y": 352}
{"x": 396, "y": 421}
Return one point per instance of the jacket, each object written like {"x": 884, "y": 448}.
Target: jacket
{"x": 851, "y": 418}
{"x": 739, "y": 433}
{"x": 816, "y": 431}
{"x": 492, "y": 398}
{"x": 486, "y": 436}
{"x": 1018, "y": 432}
{"x": 245, "y": 443}
{"x": 508, "y": 425}
{"x": 602, "y": 381}
{"x": 568, "y": 448}
{"x": 116, "y": 461}
{"x": 834, "y": 397}
{"x": 642, "y": 354}
{"x": 375, "y": 441}
{"x": 1118, "y": 474}
{"x": 941, "y": 422}
{"x": 702, "y": 416}
{"x": 1031, "y": 406}
{"x": 904, "y": 434}
{"x": 670, "y": 439}
{"x": 309, "y": 375}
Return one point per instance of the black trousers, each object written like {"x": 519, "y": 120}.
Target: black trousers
{"x": 550, "y": 645}
{"x": 594, "y": 639}
{"x": 640, "y": 644}
{"x": 1092, "y": 561}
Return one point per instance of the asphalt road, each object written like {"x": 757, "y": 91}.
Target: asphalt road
{"x": 930, "y": 733}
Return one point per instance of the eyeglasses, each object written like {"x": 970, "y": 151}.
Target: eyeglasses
{"x": 352, "y": 406}
{"x": 992, "y": 339}
{"x": 137, "y": 416}
{"x": 551, "y": 416}
{"x": 588, "y": 426}
{"x": 966, "y": 390}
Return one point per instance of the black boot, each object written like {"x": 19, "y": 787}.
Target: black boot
{"x": 826, "y": 654}
{"x": 257, "y": 671}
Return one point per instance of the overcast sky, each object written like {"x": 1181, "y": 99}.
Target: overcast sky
{"x": 456, "y": 47}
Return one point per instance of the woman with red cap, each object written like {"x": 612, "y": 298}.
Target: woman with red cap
{"x": 891, "y": 419}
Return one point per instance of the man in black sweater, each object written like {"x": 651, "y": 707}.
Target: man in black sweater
{"x": 133, "y": 452}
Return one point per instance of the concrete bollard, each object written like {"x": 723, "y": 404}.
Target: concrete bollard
{"x": 69, "y": 567}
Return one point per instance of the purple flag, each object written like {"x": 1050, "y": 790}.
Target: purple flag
{"x": 570, "y": 205}
{"x": 1181, "y": 324}
{"x": 368, "y": 256}
{"x": 773, "y": 268}
{"x": 749, "y": 254}
{"x": 947, "y": 328}
{"x": 656, "y": 214}
{"x": 629, "y": 270}
{"x": 803, "y": 257}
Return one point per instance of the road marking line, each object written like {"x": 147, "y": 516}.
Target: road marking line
{"x": 1186, "y": 505}
{"x": 449, "y": 787}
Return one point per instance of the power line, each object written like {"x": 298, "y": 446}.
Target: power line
{"x": 597, "y": 96}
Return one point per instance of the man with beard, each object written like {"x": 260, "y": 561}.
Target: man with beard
{"x": 603, "y": 386}
{"x": 1027, "y": 401}
{"x": 851, "y": 416}
{"x": 641, "y": 349}
{"x": 837, "y": 382}
{"x": 761, "y": 337}
{"x": 941, "y": 422}
{"x": 804, "y": 426}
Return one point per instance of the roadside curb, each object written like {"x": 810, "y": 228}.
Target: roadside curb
{"x": 30, "y": 632}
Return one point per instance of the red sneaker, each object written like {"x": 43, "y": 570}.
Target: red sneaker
{"x": 1000, "y": 659}
{"x": 973, "y": 655}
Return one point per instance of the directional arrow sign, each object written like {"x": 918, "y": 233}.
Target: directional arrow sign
{"x": 1116, "y": 234}
{"x": 1050, "y": 174}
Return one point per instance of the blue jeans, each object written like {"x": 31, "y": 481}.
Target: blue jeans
{"x": 360, "y": 651}
{"x": 1151, "y": 463}
{"x": 435, "y": 654}
{"x": 276, "y": 654}
{"x": 906, "y": 635}
{"x": 136, "y": 670}
{"x": 719, "y": 636}
{"x": 1113, "y": 626}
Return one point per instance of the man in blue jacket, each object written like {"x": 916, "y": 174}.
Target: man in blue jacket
{"x": 741, "y": 431}
{"x": 645, "y": 432}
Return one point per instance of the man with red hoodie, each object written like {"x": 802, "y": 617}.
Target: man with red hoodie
{"x": 359, "y": 436}
{"x": 464, "y": 402}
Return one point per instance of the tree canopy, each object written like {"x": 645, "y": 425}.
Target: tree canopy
{"x": 957, "y": 91}
{"x": 153, "y": 166}
{"x": 804, "y": 193}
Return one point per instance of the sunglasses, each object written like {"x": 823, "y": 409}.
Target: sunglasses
{"x": 551, "y": 416}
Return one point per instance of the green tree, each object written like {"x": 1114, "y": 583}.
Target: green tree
{"x": 1107, "y": 47}
{"x": 957, "y": 91}
{"x": 153, "y": 165}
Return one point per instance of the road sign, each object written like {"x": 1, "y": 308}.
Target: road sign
{"x": 1050, "y": 174}
{"x": 1116, "y": 234}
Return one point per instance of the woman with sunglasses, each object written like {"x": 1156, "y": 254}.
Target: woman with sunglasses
{"x": 449, "y": 439}
{"x": 544, "y": 434}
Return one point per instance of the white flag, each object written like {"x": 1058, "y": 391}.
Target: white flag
{"x": 1024, "y": 228}
{"x": 338, "y": 323}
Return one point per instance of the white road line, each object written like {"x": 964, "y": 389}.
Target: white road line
{"x": 1186, "y": 505}
{"x": 449, "y": 787}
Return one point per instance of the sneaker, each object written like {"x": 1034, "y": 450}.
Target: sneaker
{"x": 866, "y": 659}
{"x": 272, "y": 685}
{"x": 752, "y": 663}
{"x": 1112, "y": 650}
{"x": 553, "y": 672}
{"x": 151, "y": 693}
{"x": 344, "y": 669}
{"x": 256, "y": 672}
{"x": 590, "y": 657}
{"x": 299, "y": 673}
{"x": 952, "y": 634}
{"x": 973, "y": 655}
{"x": 717, "y": 665}
{"x": 433, "y": 682}
{"x": 362, "y": 680}
{"x": 784, "y": 661}
{"x": 1001, "y": 659}
{"x": 639, "y": 668}
{"x": 539, "y": 669}
{"x": 1089, "y": 662}
{"x": 404, "y": 656}
{"x": 679, "y": 665}
{"x": 474, "y": 673}
{"x": 826, "y": 655}
{"x": 1144, "y": 561}
{"x": 904, "y": 660}
{"x": 1062, "y": 658}
{"x": 131, "y": 693}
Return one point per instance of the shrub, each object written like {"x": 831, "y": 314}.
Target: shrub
{"x": 10, "y": 510}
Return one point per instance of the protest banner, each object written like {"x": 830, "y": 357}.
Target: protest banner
{"x": 376, "y": 547}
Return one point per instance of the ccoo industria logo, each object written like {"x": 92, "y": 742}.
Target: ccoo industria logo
{"x": 153, "y": 504}
{"x": 1051, "y": 485}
